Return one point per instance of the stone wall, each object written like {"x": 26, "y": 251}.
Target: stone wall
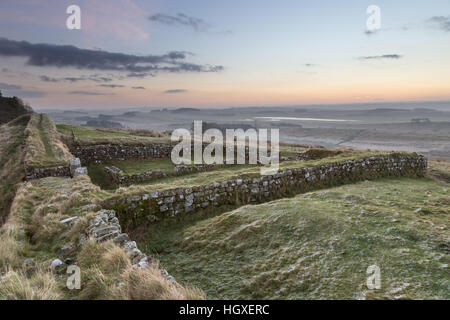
{"x": 105, "y": 226}
{"x": 134, "y": 210}
{"x": 186, "y": 169}
{"x": 118, "y": 177}
{"x": 39, "y": 173}
{"x": 109, "y": 152}
{"x": 74, "y": 169}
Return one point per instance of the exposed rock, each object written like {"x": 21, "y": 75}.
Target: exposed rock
{"x": 74, "y": 164}
{"x": 82, "y": 240}
{"x": 57, "y": 266}
{"x": 105, "y": 226}
{"x": 80, "y": 171}
{"x": 68, "y": 220}
{"x": 121, "y": 239}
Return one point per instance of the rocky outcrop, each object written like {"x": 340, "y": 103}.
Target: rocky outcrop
{"x": 148, "y": 207}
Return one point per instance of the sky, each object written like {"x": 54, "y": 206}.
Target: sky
{"x": 171, "y": 53}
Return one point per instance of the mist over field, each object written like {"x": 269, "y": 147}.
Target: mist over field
{"x": 415, "y": 126}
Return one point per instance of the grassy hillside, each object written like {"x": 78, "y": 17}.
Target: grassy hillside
{"x": 318, "y": 245}
{"x": 12, "y": 141}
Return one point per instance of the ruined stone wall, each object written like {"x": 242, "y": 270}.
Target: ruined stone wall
{"x": 148, "y": 207}
{"x": 118, "y": 177}
{"x": 39, "y": 173}
{"x": 186, "y": 169}
{"x": 109, "y": 152}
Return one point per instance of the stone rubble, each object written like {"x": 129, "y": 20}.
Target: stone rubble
{"x": 105, "y": 226}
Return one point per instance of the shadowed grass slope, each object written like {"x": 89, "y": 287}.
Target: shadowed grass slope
{"x": 12, "y": 139}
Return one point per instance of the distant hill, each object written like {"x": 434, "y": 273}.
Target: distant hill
{"x": 74, "y": 112}
{"x": 131, "y": 114}
{"x": 184, "y": 110}
{"x": 104, "y": 124}
{"x": 11, "y": 108}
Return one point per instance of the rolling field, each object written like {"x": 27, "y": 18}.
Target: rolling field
{"x": 317, "y": 245}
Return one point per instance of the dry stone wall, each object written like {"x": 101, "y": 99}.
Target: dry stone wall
{"x": 149, "y": 207}
{"x": 74, "y": 169}
{"x": 106, "y": 226}
{"x": 187, "y": 169}
{"x": 118, "y": 177}
{"x": 39, "y": 173}
{"x": 110, "y": 152}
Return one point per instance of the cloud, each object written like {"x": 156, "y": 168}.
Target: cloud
{"x": 440, "y": 22}
{"x": 384, "y": 56}
{"x": 309, "y": 65}
{"x": 111, "y": 86}
{"x": 89, "y": 93}
{"x": 181, "y": 19}
{"x": 6, "y": 86}
{"x": 16, "y": 90}
{"x": 66, "y": 56}
{"x": 73, "y": 79}
{"x": 138, "y": 88}
{"x": 48, "y": 79}
{"x": 175, "y": 91}
{"x": 95, "y": 78}
{"x": 139, "y": 75}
